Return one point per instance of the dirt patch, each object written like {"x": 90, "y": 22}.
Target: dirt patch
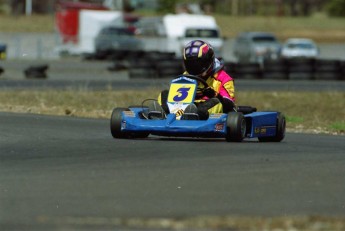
{"x": 301, "y": 223}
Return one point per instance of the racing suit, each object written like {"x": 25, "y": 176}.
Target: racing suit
{"x": 219, "y": 98}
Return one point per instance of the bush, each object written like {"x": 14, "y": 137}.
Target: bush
{"x": 336, "y": 8}
{"x": 167, "y": 6}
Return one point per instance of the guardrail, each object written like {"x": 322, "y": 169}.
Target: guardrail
{"x": 30, "y": 45}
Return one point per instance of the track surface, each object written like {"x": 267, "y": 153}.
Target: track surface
{"x": 63, "y": 167}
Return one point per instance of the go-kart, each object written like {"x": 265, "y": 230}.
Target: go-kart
{"x": 150, "y": 118}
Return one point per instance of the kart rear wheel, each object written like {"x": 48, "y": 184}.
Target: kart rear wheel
{"x": 115, "y": 123}
{"x": 236, "y": 127}
{"x": 280, "y": 130}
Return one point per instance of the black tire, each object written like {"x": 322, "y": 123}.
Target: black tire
{"x": 115, "y": 123}
{"x": 327, "y": 69}
{"x": 301, "y": 75}
{"x": 230, "y": 68}
{"x": 301, "y": 69}
{"x": 327, "y": 76}
{"x": 36, "y": 72}
{"x": 275, "y": 75}
{"x": 325, "y": 65}
{"x": 280, "y": 132}
{"x": 169, "y": 68}
{"x": 236, "y": 127}
{"x": 115, "y": 126}
{"x": 342, "y": 73}
{"x": 141, "y": 68}
{"x": 248, "y": 71}
{"x": 157, "y": 56}
{"x": 276, "y": 69}
{"x": 300, "y": 65}
{"x": 275, "y": 66}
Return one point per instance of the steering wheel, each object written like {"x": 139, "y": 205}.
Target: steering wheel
{"x": 199, "y": 79}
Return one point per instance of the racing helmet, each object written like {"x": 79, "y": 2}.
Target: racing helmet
{"x": 198, "y": 58}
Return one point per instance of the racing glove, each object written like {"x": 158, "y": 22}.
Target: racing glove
{"x": 209, "y": 92}
{"x": 228, "y": 104}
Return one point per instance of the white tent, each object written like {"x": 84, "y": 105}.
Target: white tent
{"x": 90, "y": 24}
{"x": 176, "y": 24}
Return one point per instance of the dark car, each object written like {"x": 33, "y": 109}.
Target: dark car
{"x": 256, "y": 47}
{"x": 114, "y": 39}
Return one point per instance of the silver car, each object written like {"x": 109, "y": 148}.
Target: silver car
{"x": 299, "y": 48}
{"x": 255, "y": 47}
{"x": 112, "y": 39}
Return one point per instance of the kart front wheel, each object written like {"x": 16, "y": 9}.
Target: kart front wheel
{"x": 116, "y": 123}
{"x": 236, "y": 127}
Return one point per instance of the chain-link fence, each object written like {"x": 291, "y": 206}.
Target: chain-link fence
{"x": 30, "y": 45}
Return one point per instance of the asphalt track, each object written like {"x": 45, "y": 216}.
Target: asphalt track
{"x": 54, "y": 169}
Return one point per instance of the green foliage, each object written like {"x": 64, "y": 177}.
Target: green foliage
{"x": 167, "y": 6}
{"x": 294, "y": 119}
{"x": 2, "y": 6}
{"x": 336, "y": 8}
{"x": 338, "y": 126}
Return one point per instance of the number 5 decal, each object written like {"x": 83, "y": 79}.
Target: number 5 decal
{"x": 183, "y": 93}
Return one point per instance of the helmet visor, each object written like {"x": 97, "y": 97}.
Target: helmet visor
{"x": 197, "y": 66}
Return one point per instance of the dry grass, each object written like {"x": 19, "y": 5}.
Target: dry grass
{"x": 305, "y": 111}
{"x": 312, "y": 112}
{"x": 27, "y": 24}
{"x": 320, "y": 27}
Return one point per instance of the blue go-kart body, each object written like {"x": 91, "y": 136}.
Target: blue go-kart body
{"x": 141, "y": 121}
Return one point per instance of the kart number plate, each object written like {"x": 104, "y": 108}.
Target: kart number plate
{"x": 181, "y": 93}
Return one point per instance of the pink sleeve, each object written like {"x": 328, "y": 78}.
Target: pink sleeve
{"x": 227, "y": 89}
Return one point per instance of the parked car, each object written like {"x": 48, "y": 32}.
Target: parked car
{"x": 255, "y": 47}
{"x": 299, "y": 48}
{"x": 114, "y": 39}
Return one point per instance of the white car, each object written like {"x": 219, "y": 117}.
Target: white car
{"x": 299, "y": 48}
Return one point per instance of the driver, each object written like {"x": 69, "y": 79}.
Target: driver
{"x": 199, "y": 59}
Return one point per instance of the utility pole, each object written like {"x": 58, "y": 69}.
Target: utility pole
{"x": 28, "y": 7}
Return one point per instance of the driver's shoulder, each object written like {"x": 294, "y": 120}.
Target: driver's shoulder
{"x": 223, "y": 76}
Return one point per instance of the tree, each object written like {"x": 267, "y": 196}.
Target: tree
{"x": 336, "y": 8}
{"x": 167, "y": 6}
{"x": 17, "y": 7}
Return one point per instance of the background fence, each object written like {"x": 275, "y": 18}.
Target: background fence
{"x": 31, "y": 45}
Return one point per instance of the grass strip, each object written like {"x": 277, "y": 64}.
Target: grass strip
{"x": 319, "y": 112}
